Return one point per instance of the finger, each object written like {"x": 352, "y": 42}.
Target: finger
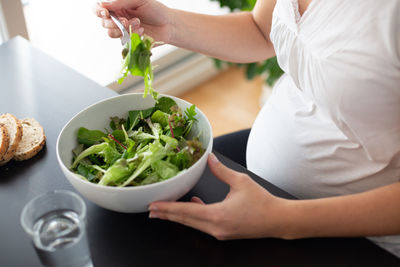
{"x": 124, "y": 22}
{"x": 101, "y": 12}
{"x": 185, "y": 209}
{"x": 203, "y": 226}
{"x": 134, "y": 23}
{"x": 197, "y": 200}
{"x": 139, "y": 31}
{"x": 114, "y": 33}
{"x": 190, "y": 214}
{"x": 134, "y": 26}
{"x": 108, "y": 24}
{"x": 222, "y": 172}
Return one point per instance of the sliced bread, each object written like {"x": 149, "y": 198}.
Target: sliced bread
{"x": 14, "y": 129}
{"x": 4, "y": 140}
{"x": 33, "y": 139}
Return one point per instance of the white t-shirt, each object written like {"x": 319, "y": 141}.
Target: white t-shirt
{"x": 332, "y": 124}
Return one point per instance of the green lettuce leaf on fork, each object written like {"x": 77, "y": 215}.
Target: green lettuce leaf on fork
{"x": 136, "y": 54}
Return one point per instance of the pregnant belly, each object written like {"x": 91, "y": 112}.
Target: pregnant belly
{"x": 295, "y": 146}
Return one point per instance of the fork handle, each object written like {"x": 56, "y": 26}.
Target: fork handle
{"x": 119, "y": 24}
{"x": 116, "y": 20}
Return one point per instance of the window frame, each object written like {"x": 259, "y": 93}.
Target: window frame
{"x": 3, "y": 28}
{"x": 12, "y": 20}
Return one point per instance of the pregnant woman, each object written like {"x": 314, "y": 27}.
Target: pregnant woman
{"x": 330, "y": 132}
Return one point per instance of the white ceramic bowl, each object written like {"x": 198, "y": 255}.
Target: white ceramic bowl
{"x": 129, "y": 199}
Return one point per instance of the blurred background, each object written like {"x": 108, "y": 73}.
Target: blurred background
{"x": 229, "y": 95}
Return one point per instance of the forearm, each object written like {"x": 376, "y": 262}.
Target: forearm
{"x": 372, "y": 213}
{"x": 234, "y": 37}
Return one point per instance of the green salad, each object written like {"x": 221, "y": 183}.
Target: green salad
{"x": 146, "y": 147}
{"x": 136, "y": 54}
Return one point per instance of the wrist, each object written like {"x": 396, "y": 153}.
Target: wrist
{"x": 173, "y": 18}
{"x": 287, "y": 215}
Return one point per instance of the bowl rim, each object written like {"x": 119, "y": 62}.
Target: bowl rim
{"x": 132, "y": 188}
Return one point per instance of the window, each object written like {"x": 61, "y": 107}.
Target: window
{"x": 71, "y": 33}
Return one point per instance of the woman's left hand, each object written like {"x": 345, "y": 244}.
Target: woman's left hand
{"x": 248, "y": 211}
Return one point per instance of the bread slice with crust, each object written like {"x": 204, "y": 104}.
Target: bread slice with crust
{"x": 14, "y": 129}
{"x": 4, "y": 140}
{"x": 33, "y": 139}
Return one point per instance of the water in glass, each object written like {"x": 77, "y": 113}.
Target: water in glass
{"x": 59, "y": 238}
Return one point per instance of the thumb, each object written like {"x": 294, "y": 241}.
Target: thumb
{"x": 222, "y": 172}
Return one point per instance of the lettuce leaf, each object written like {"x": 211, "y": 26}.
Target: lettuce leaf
{"x": 137, "y": 62}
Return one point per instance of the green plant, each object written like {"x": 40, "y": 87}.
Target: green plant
{"x": 234, "y": 5}
{"x": 270, "y": 66}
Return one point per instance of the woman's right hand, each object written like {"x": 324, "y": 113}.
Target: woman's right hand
{"x": 143, "y": 16}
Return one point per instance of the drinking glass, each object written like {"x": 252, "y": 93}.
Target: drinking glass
{"x": 56, "y": 223}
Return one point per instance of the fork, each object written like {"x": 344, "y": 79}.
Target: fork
{"x": 125, "y": 34}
